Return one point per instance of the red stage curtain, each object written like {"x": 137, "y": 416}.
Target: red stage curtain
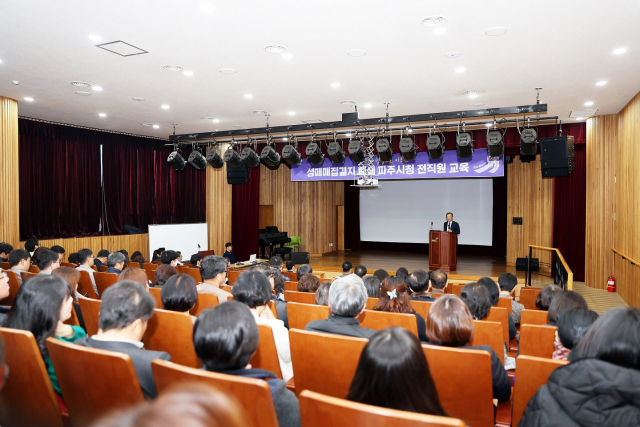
{"x": 351, "y": 216}
{"x": 245, "y": 206}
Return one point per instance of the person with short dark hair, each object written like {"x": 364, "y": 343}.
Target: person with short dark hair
{"x": 228, "y": 253}
{"x": 277, "y": 292}
{"x": 137, "y": 257}
{"x": 494, "y": 292}
{"x": 5, "y": 249}
{"x": 101, "y": 258}
{"x": 450, "y": 225}
{"x": 277, "y": 262}
{"x": 115, "y": 262}
{"x": 600, "y": 385}
{"x": 402, "y": 273}
{"x": 507, "y": 283}
{"x": 546, "y": 295}
{"x": 59, "y": 250}
{"x": 195, "y": 260}
{"x": 125, "y": 309}
{"x": 85, "y": 258}
{"x": 290, "y": 265}
{"x": 322, "y": 294}
{"x": 450, "y": 324}
{"x": 386, "y": 375}
{"x": 418, "y": 282}
{"x": 438, "y": 281}
{"x": 302, "y": 270}
{"x": 170, "y": 258}
{"x": 31, "y": 245}
{"x": 572, "y": 325}
{"x": 48, "y": 261}
{"x": 372, "y": 285}
{"x": 308, "y": 283}
{"x": 347, "y": 268}
{"x": 360, "y": 271}
{"x": 163, "y": 273}
{"x": 394, "y": 298}
{"x": 157, "y": 254}
{"x": 225, "y": 337}
{"x": 562, "y": 302}
{"x": 19, "y": 261}
{"x": 179, "y": 293}
{"x": 214, "y": 271}
{"x": 73, "y": 258}
{"x": 254, "y": 290}
{"x": 477, "y": 299}
{"x": 381, "y": 274}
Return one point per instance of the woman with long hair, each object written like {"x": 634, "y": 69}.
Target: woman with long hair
{"x": 394, "y": 298}
{"x": 393, "y": 373}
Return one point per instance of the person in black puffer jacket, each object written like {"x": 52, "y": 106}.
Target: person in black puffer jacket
{"x": 601, "y": 386}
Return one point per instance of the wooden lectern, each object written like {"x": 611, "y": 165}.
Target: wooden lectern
{"x": 443, "y": 248}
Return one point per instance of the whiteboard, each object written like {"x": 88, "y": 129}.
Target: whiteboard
{"x": 402, "y": 211}
{"x": 179, "y": 237}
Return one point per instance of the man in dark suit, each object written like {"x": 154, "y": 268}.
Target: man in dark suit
{"x": 124, "y": 312}
{"x": 347, "y": 299}
{"x": 450, "y": 225}
{"x": 115, "y": 262}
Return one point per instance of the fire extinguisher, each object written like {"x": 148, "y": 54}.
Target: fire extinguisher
{"x": 611, "y": 284}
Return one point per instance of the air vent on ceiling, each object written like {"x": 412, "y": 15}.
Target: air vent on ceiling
{"x": 81, "y": 84}
{"x": 259, "y": 112}
{"x": 172, "y": 67}
{"x": 83, "y": 93}
{"x": 275, "y": 48}
{"x": 122, "y": 48}
{"x": 434, "y": 21}
{"x": 583, "y": 113}
{"x": 348, "y": 102}
{"x": 138, "y": 99}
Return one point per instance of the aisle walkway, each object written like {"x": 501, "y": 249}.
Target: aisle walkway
{"x": 599, "y": 300}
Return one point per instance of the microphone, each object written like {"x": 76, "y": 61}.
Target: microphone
{"x": 431, "y": 226}
{"x": 198, "y": 245}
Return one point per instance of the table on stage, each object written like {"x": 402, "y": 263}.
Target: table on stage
{"x": 247, "y": 264}
{"x": 443, "y": 248}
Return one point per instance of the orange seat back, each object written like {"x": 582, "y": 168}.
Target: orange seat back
{"x": 67, "y": 264}
{"x": 505, "y": 303}
{"x": 90, "y": 309}
{"x": 499, "y": 314}
{"x": 172, "y": 332}
{"x": 205, "y": 300}
{"x": 301, "y": 297}
{"x": 233, "y": 276}
{"x": 488, "y": 333}
{"x": 301, "y": 314}
{"x": 290, "y": 275}
{"x": 421, "y": 307}
{"x": 226, "y": 288}
{"x": 534, "y": 317}
{"x": 85, "y": 286}
{"x": 150, "y": 269}
{"x": 536, "y": 340}
{"x": 371, "y": 302}
{"x": 34, "y": 269}
{"x": 291, "y": 286}
{"x": 26, "y": 275}
{"x": 272, "y": 307}
{"x": 156, "y": 294}
{"x": 380, "y": 320}
{"x": 456, "y": 289}
{"x": 193, "y": 272}
{"x": 104, "y": 280}
{"x": 73, "y": 320}
{"x": 14, "y": 285}
{"x": 103, "y": 268}
{"x": 528, "y": 297}
{"x": 266, "y": 357}
{"x": 5, "y": 265}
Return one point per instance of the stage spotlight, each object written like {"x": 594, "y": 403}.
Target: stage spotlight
{"x": 528, "y": 142}
{"x": 232, "y": 157}
{"x": 495, "y": 145}
{"x": 385, "y": 152}
{"x": 464, "y": 145}
{"x": 249, "y": 157}
{"x": 314, "y": 154}
{"x": 336, "y": 153}
{"x": 356, "y": 151}
{"x": 176, "y": 160}
{"x": 197, "y": 160}
{"x": 290, "y": 155}
{"x": 214, "y": 159}
{"x": 435, "y": 147}
{"x": 270, "y": 157}
{"x": 408, "y": 149}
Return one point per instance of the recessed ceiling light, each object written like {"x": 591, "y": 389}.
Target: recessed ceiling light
{"x": 579, "y": 118}
{"x": 248, "y": 96}
{"x": 275, "y": 48}
{"x": 228, "y": 71}
{"x": 348, "y": 102}
{"x": 335, "y": 84}
{"x": 439, "y": 31}
{"x": 165, "y": 107}
{"x": 588, "y": 103}
{"x": 138, "y": 99}
{"x": 601, "y": 83}
{"x": 620, "y": 51}
{"x": 478, "y": 105}
{"x": 471, "y": 93}
{"x": 495, "y": 31}
{"x": 96, "y": 88}
{"x": 356, "y": 53}
{"x": 15, "y": 82}
{"x": 452, "y": 54}
{"x": 28, "y": 99}
{"x": 292, "y": 113}
{"x": 95, "y": 38}
{"x": 171, "y": 67}
{"x": 188, "y": 73}
{"x": 434, "y": 21}
{"x": 259, "y": 112}
{"x": 83, "y": 93}
{"x": 102, "y": 114}
{"x": 156, "y": 126}
{"x": 287, "y": 56}
{"x": 285, "y": 138}
{"x": 146, "y": 124}
{"x": 460, "y": 70}
{"x": 81, "y": 84}
{"x": 206, "y": 7}
{"x": 216, "y": 130}
{"x": 216, "y": 120}
{"x": 367, "y": 105}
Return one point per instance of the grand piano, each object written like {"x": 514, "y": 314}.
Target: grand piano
{"x": 272, "y": 238}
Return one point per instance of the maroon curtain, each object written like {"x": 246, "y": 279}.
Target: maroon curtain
{"x": 245, "y": 206}
{"x": 351, "y": 216}
{"x": 569, "y": 214}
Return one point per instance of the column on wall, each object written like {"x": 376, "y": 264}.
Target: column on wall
{"x": 9, "y": 202}
{"x": 219, "y": 215}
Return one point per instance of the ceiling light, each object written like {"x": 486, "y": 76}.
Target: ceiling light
{"x": 232, "y": 157}
{"x": 464, "y": 145}
{"x": 348, "y": 135}
{"x": 95, "y": 38}
{"x": 206, "y": 118}
{"x": 216, "y": 120}
{"x": 495, "y": 31}
{"x": 214, "y": 159}
{"x": 452, "y": 55}
{"x": 275, "y": 48}
{"x": 439, "y": 31}
{"x": 488, "y": 125}
{"x": 197, "y": 160}
{"x": 367, "y": 105}
{"x": 434, "y": 21}
{"x": 314, "y": 153}
{"x": 478, "y": 105}
{"x": 471, "y": 93}
{"x": 588, "y": 103}
{"x": 188, "y": 73}
{"x": 528, "y": 142}
{"x": 28, "y": 99}
{"x": 435, "y": 147}
{"x": 15, "y": 82}
{"x": 165, "y": 107}
{"x": 287, "y": 56}
{"x": 138, "y": 99}
{"x": 81, "y": 84}
{"x": 97, "y": 88}
{"x": 249, "y": 157}
{"x": 408, "y": 149}
{"x": 176, "y": 160}
{"x": 83, "y": 93}
{"x": 460, "y": 70}
{"x": 620, "y": 51}
{"x": 601, "y": 83}
{"x": 102, "y": 114}
{"x": 292, "y": 113}
{"x": 156, "y": 126}
{"x": 336, "y": 153}
{"x": 259, "y": 112}
{"x": 270, "y": 157}
{"x": 385, "y": 151}
{"x": 206, "y": 7}
{"x": 335, "y": 84}
{"x": 356, "y": 151}
{"x": 285, "y": 139}
{"x": 228, "y": 71}
{"x": 356, "y": 53}
{"x": 248, "y": 96}
{"x": 579, "y": 118}
{"x": 495, "y": 145}
{"x": 290, "y": 155}
{"x": 171, "y": 67}
{"x": 146, "y": 124}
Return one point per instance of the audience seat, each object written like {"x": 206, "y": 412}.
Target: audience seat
{"x": 85, "y": 286}
{"x": 536, "y": 340}
{"x": 436, "y": 296}
{"x": 34, "y": 269}
{"x": 14, "y": 285}
{"x": 27, "y": 398}
{"x": 274, "y": 310}
{"x": 67, "y": 264}
{"x": 290, "y": 275}
{"x": 193, "y": 272}
{"x": 252, "y": 394}
{"x": 505, "y": 303}
{"x": 528, "y": 297}
{"x": 291, "y": 286}
{"x": 103, "y": 268}
{"x": 26, "y": 275}
{"x": 172, "y": 332}
{"x": 205, "y": 300}
{"x": 421, "y": 307}
{"x": 488, "y": 333}
{"x": 371, "y": 302}
{"x": 456, "y": 288}
{"x": 301, "y": 314}
{"x": 73, "y": 320}
{"x": 226, "y": 288}
{"x": 301, "y": 297}
{"x": 319, "y": 410}
{"x": 150, "y": 269}
{"x": 104, "y": 280}
{"x": 155, "y": 293}
{"x": 324, "y": 363}
{"x": 93, "y": 382}
{"x": 499, "y": 314}
{"x": 233, "y": 276}
{"x": 90, "y": 314}
{"x": 266, "y": 357}
{"x": 380, "y": 320}
{"x": 534, "y": 317}
{"x": 5, "y": 265}
{"x": 464, "y": 383}
{"x": 531, "y": 373}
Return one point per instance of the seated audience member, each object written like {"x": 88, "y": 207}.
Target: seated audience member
{"x": 19, "y": 261}
{"x": 42, "y": 305}
{"x": 135, "y": 274}
{"x": 372, "y": 285}
{"x": 228, "y": 253}
{"x": 360, "y": 271}
{"x": 214, "y": 273}
{"x": 546, "y": 295}
{"x": 600, "y": 385}
{"x": 163, "y": 273}
{"x": 169, "y": 258}
{"x": 73, "y": 258}
{"x": 494, "y": 293}
{"x": 386, "y": 375}
{"x": 290, "y": 266}
{"x": 225, "y": 337}
{"x": 347, "y": 299}
{"x": 450, "y": 324}
{"x": 5, "y": 249}
{"x": 36, "y": 254}
{"x": 402, "y": 273}
{"x": 179, "y": 293}
{"x": 477, "y": 299}
{"x": 253, "y": 289}
{"x": 85, "y": 258}
{"x": 562, "y": 302}
{"x": 59, "y": 250}
{"x": 186, "y": 404}
{"x": 507, "y": 283}
{"x": 277, "y": 293}
{"x": 276, "y": 262}
{"x": 303, "y": 269}
{"x": 72, "y": 276}
{"x": 394, "y": 298}
{"x": 347, "y": 268}
{"x": 31, "y": 245}
{"x": 308, "y": 283}
{"x": 322, "y": 294}
{"x": 157, "y": 254}
{"x": 137, "y": 257}
{"x": 47, "y": 261}
{"x": 179, "y": 258}
{"x": 115, "y": 262}
{"x": 4, "y": 292}
{"x": 126, "y": 257}
{"x": 195, "y": 260}
{"x": 572, "y": 325}
{"x": 124, "y": 312}
{"x": 101, "y": 258}
{"x": 438, "y": 281}
{"x": 418, "y": 282}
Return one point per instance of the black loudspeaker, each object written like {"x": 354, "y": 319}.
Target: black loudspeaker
{"x": 239, "y": 174}
{"x": 300, "y": 257}
{"x": 557, "y": 156}
{"x": 521, "y": 264}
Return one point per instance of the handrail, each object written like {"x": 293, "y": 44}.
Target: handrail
{"x": 623, "y": 255}
{"x": 564, "y": 264}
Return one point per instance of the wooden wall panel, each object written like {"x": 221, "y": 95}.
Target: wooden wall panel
{"x": 219, "y": 207}
{"x": 305, "y": 209}
{"x": 531, "y": 197}
{"x": 9, "y": 198}
{"x": 128, "y": 242}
